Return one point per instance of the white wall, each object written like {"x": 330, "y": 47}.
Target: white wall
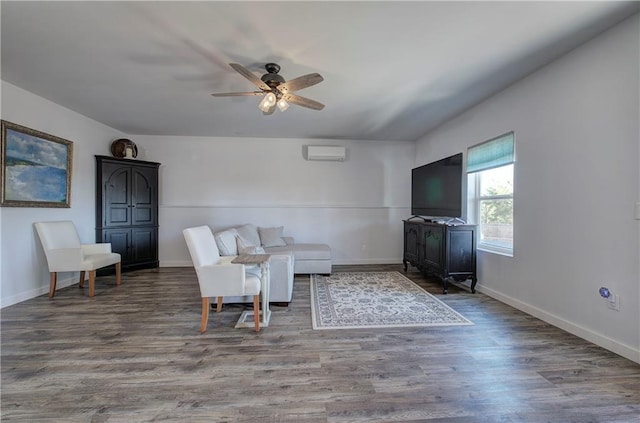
{"x": 355, "y": 206}
{"x": 576, "y": 183}
{"x": 23, "y": 270}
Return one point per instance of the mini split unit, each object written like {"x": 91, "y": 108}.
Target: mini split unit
{"x": 326, "y": 152}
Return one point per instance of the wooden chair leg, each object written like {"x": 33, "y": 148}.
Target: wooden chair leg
{"x": 53, "y": 279}
{"x": 256, "y": 312}
{"x": 92, "y": 283}
{"x": 219, "y": 305}
{"x": 118, "y": 273}
{"x": 81, "y": 283}
{"x": 205, "y": 314}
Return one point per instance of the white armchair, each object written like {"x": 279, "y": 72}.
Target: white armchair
{"x": 217, "y": 276}
{"x": 65, "y": 253}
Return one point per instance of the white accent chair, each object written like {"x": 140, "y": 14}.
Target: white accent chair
{"x": 65, "y": 253}
{"x": 217, "y": 276}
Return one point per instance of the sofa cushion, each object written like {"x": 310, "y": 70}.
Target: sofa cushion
{"x": 245, "y": 247}
{"x": 279, "y": 250}
{"x": 226, "y": 242}
{"x": 251, "y": 250}
{"x": 271, "y": 237}
{"x": 250, "y": 233}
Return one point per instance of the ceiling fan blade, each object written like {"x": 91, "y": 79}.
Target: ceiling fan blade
{"x": 270, "y": 111}
{"x": 300, "y": 82}
{"x": 237, "y": 94}
{"x": 303, "y": 101}
{"x": 250, "y": 76}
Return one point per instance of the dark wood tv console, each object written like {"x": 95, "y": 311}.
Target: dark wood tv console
{"x": 447, "y": 251}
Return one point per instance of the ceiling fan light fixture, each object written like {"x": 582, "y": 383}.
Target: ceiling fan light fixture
{"x": 262, "y": 106}
{"x": 267, "y": 102}
{"x": 282, "y": 105}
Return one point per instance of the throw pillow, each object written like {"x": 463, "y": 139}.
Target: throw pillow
{"x": 271, "y": 237}
{"x": 250, "y": 233}
{"x": 226, "y": 242}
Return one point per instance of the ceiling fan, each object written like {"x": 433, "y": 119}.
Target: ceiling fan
{"x": 276, "y": 91}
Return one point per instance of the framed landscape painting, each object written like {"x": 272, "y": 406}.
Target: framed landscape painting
{"x": 36, "y": 168}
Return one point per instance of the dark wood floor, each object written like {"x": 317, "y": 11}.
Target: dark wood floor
{"x": 134, "y": 354}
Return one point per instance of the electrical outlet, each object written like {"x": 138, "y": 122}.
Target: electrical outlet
{"x": 638, "y": 210}
{"x": 613, "y": 302}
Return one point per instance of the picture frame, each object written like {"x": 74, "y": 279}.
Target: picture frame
{"x": 36, "y": 168}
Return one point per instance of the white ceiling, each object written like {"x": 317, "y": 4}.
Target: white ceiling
{"x": 392, "y": 70}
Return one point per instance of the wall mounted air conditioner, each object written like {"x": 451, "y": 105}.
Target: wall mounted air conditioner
{"x": 326, "y": 152}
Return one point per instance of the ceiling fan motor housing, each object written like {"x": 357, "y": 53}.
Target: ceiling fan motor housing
{"x": 272, "y": 79}
{"x": 272, "y": 67}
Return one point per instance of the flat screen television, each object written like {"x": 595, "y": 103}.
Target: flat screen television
{"x": 436, "y": 188}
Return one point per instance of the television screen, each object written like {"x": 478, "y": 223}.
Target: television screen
{"x": 436, "y": 188}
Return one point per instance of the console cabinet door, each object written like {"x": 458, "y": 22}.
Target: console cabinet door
{"x": 433, "y": 247}
{"x": 143, "y": 195}
{"x": 144, "y": 246}
{"x": 116, "y": 195}
{"x": 120, "y": 240}
{"x": 461, "y": 252}
{"x": 411, "y": 243}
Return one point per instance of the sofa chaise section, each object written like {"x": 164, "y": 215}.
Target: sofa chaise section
{"x": 308, "y": 258}
{"x": 287, "y": 257}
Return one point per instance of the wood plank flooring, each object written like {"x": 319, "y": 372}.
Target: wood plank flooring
{"x": 133, "y": 353}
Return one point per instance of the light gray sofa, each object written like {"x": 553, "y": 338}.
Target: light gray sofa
{"x": 287, "y": 257}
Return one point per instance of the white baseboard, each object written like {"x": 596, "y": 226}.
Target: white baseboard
{"x": 27, "y": 295}
{"x": 619, "y": 348}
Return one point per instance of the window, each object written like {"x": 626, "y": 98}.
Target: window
{"x": 490, "y": 186}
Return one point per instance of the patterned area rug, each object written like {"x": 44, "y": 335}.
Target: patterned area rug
{"x": 376, "y": 300}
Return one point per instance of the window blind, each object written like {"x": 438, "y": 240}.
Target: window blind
{"x": 490, "y": 154}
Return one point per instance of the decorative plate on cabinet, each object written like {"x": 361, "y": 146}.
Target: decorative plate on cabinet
{"x": 119, "y": 148}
